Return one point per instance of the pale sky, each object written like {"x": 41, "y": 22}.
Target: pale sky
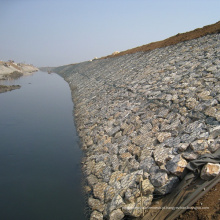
{"x": 59, "y": 32}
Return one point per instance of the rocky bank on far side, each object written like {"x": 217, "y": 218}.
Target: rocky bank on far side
{"x": 141, "y": 118}
{"x": 11, "y": 70}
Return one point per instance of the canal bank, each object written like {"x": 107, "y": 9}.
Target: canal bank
{"x": 40, "y": 174}
{"x": 142, "y": 118}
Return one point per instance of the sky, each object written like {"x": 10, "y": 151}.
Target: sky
{"x": 60, "y": 32}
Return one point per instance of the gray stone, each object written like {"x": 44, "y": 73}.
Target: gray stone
{"x": 129, "y": 180}
{"x": 116, "y": 203}
{"x": 158, "y": 177}
{"x": 171, "y": 183}
{"x": 199, "y": 145}
{"x": 147, "y": 163}
{"x": 214, "y": 132}
{"x": 161, "y": 155}
{"x": 189, "y": 155}
{"x": 176, "y": 165}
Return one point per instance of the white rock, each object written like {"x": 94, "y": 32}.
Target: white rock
{"x": 209, "y": 171}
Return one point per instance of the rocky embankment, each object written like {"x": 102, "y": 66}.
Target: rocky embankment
{"x": 141, "y": 118}
{"x": 11, "y": 70}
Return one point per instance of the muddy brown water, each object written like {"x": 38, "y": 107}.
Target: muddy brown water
{"x": 40, "y": 175}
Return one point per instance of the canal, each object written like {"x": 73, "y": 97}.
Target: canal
{"x": 40, "y": 175}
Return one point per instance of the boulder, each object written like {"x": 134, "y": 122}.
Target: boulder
{"x": 158, "y": 177}
{"x": 116, "y": 215}
{"x": 210, "y": 171}
{"x": 98, "y": 190}
{"x": 96, "y": 216}
{"x": 176, "y": 165}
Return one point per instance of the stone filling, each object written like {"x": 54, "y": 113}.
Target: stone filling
{"x": 145, "y": 115}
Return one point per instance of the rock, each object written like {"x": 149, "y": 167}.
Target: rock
{"x": 87, "y": 189}
{"x": 125, "y": 156}
{"x": 161, "y": 155}
{"x": 116, "y": 203}
{"x": 214, "y": 145}
{"x": 199, "y": 145}
{"x": 116, "y": 176}
{"x": 113, "y": 131}
{"x": 176, "y": 165}
{"x": 98, "y": 169}
{"x": 96, "y": 204}
{"x": 113, "y": 148}
{"x": 214, "y": 132}
{"x": 116, "y": 52}
{"x": 191, "y": 103}
{"x": 116, "y": 215}
{"x": 107, "y": 172}
{"x": 127, "y": 129}
{"x": 129, "y": 180}
{"x": 211, "y": 111}
{"x": 92, "y": 180}
{"x": 98, "y": 190}
{"x": 129, "y": 197}
{"x": 146, "y": 152}
{"x": 147, "y": 163}
{"x": 141, "y": 140}
{"x": 158, "y": 177}
{"x": 115, "y": 163}
{"x": 171, "y": 142}
{"x": 210, "y": 171}
{"x": 171, "y": 183}
{"x": 96, "y": 216}
{"x": 147, "y": 187}
{"x": 196, "y": 126}
{"x": 109, "y": 193}
{"x": 134, "y": 209}
{"x": 161, "y": 137}
{"x": 189, "y": 155}
{"x": 146, "y": 128}
{"x": 183, "y": 146}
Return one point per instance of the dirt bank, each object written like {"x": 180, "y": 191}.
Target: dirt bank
{"x": 199, "y": 32}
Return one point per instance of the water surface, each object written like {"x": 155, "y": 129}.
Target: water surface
{"x": 39, "y": 152}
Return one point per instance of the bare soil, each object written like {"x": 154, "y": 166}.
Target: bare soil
{"x": 211, "y": 200}
{"x": 199, "y": 32}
